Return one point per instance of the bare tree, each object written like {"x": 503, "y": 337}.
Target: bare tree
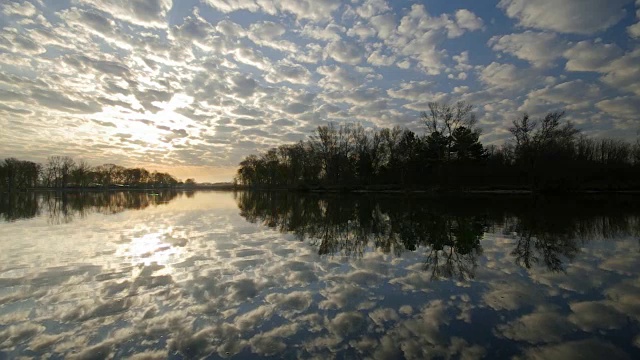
{"x": 444, "y": 119}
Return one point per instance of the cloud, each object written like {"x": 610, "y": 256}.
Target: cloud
{"x": 592, "y": 315}
{"x": 103, "y": 73}
{"x": 419, "y": 35}
{"x": 371, "y": 8}
{"x": 227, "y": 6}
{"x": 288, "y": 71}
{"x": 331, "y": 32}
{"x": 339, "y": 78}
{"x": 505, "y": 76}
{"x": 580, "y": 349}
{"x": 315, "y": 10}
{"x": 590, "y": 56}
{"x": 572, "y": 95}
{"x": 623, "y": 74}
{"x": 511, "y": 296}
{"x": 625, "y": 107}
{"x": 468, "y": 20}
{"x": 345, "y": 52}
{"x": 24, "y": 8}
{"x": 347, "y": 323}
{"x": 540, "y": 49}
{"x": 377, "y": 58}
{"x": 17, "y": 43}
{"x": 538, "y": 327}
{"x": 634, "y": 30}
{"x": 148, "y": 13}
{"x": 412, "y": 91}
{"x": 566, "y": 16}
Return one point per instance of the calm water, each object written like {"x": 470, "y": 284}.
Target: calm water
{"x": 210, "y": 274}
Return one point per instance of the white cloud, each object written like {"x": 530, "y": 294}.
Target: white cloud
{"x": 267, "y": 30}
{"x": 372, "y": 8}
{"x": 566, "y": 16}
{"x": 268, "y": 33}
{"x": 384, "y": 25}
{"x": 361, "y": 30}
{"x": 24, "y": 8}
{"x": 331, "y": 32}
{"x": 468, "y": 20}
{"x": 507, "y": 76}
{"x": 625, "y": 107}
{"x": 139, "y": 12}
{"x": 315, "y": 10}
{"x": 539, "y": 48}
{"x": 311, "y": 54}
{"x": 377, "y": 58}
{"x": 345, "y": 52}
{"x": 634, "y": 30}
{"x": 572, "y": 95}
{"x": 227, "y": 6}
{"x": 412, "y": 91}
{"x": 287, "y": 71}
{"x": 590, "y": 56}
{"x": 338, "y": 78}
{"x": 623, "y": 73}
{"x": 15, "y": 42}
{"x": 419, "y": 36}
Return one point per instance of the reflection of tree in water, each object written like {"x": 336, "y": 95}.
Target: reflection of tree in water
{"x": 450, "y": 230}
{"x": 349, "y": 226}
{"x": 451, "y": 239}
{"x": 550, "y": 233}
{"x": 454, "y": 251}
{"x": 64, "y": 207}
{"x": 21, "y": 205}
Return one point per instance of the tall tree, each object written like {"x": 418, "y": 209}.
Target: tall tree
{"x": 443, "y": 119}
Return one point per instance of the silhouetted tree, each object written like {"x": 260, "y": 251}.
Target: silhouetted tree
{"x": 545, "y": 155}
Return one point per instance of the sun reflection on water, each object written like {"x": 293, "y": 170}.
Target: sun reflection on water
{"x": 151, "y": 248}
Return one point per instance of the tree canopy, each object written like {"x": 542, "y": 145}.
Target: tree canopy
{"x": 545, "y": 154}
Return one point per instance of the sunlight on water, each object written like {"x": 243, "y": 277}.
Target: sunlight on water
{"x": 150, "y": 248}
{"x": 208, "y": 274}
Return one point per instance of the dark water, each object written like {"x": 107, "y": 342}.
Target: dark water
{"x": 210, "y": 274}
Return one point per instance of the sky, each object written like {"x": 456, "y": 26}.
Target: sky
{"x": 192, "y": 87}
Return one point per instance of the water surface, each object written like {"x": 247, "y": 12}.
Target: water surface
{"x": 255, "y": 274}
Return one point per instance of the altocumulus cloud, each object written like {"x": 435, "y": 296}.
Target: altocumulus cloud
{"x": 172, "y": 78}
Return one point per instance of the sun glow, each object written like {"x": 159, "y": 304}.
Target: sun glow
{"x": 150, "y": 248}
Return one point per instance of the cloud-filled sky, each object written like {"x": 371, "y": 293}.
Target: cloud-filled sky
{"x": 191, "y": 87}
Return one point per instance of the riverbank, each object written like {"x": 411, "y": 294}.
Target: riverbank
{"x": 337, "y": 189}
{"x": 435, "y": 191}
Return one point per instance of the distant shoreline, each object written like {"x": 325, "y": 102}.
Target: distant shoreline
{"x": 119, "y": 189}
{"x": 335, "y": 190}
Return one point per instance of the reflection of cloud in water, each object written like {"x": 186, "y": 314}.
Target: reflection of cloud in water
{"x": 511, "y": 295}
{"x": 171, "y": 281}
{"x": 151, "y": 248}
{"x": 591, "y": 349}
{"x": 541, "y": 326}
{"x": 596, "y": 315}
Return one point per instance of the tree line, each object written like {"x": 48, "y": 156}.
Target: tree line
{"x": 548, "y": 154}
{"x": 63, "y": 172}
